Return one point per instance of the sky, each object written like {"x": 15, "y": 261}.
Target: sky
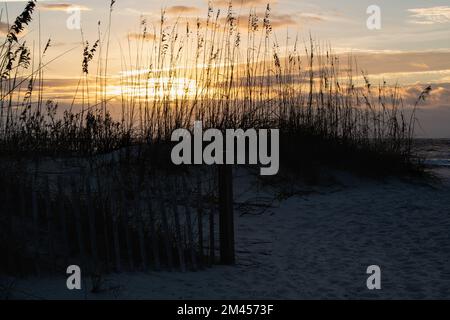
{"x": 411, "y": 47}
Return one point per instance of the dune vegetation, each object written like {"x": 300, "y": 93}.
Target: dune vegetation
{"x": 223, "y": 70}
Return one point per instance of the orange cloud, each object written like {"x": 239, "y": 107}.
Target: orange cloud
{"x": 61, "y": 7}
{"x": 276, "y": 21}
{"x": 182, "y": 10}
{"x": 245, "y": 3}
{"x": 140, "y": 36}
{"x": 432, "y": 15}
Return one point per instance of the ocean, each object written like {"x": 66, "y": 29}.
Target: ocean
{"x": 436, "y": 153}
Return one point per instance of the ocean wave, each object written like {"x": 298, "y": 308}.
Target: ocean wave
{"x": 438, "y": 162}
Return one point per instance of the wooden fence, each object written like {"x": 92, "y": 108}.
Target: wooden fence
{"x": 65, "y": 221}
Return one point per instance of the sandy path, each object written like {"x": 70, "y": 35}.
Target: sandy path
{"x": 315, "y": 246}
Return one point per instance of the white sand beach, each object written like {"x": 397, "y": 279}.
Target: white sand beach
{"x": 316, "y": 244}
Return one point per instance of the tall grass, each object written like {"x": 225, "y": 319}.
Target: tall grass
{"x": 226, "y": 70}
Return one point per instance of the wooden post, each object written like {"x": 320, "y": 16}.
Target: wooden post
{"x": 105, "y": 218}
{"x": 212, "y": 240}
{"x": 190, "y": 237}
{"x": 165, "y": 233}
{"x": 141, "y": 235}
{"x": 23, "y": 198}
{"x": 115, "y": 229}
{"x": 153, "y": 237}
{"x": 179, "y": 238}
{"x": 127, "y": 225}
{"x": 200, "y": 220}
{"x": 92, "y": 225}
{"x": 77, "y": 210}
{"x": 61, "y": 199}
{"x": 7, "y": 213}
{"x": 107, "y": 213}
{"x": 50, "y": 226}
{"x": 36, "y": 233}
{"x": 226, "y": 219}
{"x": 190, "y": 233}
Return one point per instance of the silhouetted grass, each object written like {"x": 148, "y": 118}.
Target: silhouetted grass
{"x": 223, "y": 71}
{"x": 216, "y": 71}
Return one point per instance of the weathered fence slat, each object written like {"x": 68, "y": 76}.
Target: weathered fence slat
{"x": 226, "y": 215}
{"x": 50, "y": 227}
{"x": 179, "y": 238}
{"x": 190, "y": 237}
{"x": 7, "y": 213}
{"x": 190, "y": 234}
{"x": 104, "y": 231}
{"x": 63, "y": 220}
{"x": 153, "y": 236}
{"x": 78, "y": 223}
{"x": 126, "y": 227}
{"x": 141, "y": 235}
{"x": 103, "y": 217}
{"x": 35, "y": 212}
{"x": 212, "y": 239}
{"x": 107, "y": 241}
{"x": 92, "y": 225}
{"x": 116, "y": 242}
{"x": 165, "y": 234}
{"x": 23, "y": 198}
{"x": 200, "y": 220}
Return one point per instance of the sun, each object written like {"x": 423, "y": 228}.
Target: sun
{"x": 156, "y": 88}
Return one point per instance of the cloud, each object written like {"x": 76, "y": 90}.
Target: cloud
{"x": 440, "y": 94}
{"x": 276, "y": 21}
{"x": 420, "y": 65}
{"x": 312, "y": 17}
{"x": 410, "y": 66}
{"x": 432, "y": 15}
{"x": 433, "y": 114}
{"x": 285, "y": 20}
{"x": 182, "y": 10}
{"x": 282, "y": 20}
{"x": 140, "y": 36}
{"x": 62, "y": 7}
{"x": 244, "y": 3}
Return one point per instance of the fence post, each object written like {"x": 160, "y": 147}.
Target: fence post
{"x": 91, "y": 212}
{"x": 179, "y": 238}
{"x": 165, "y": 233}
{"x": 7, "y": 213}
{"x": 212, "y": 240}
{"x": 77, "y": 210}
{"x": 36, "y": 233}
{"x": 116, "y": 242}
{"x": 50, "y": 225}
{"x": 24, "y": 199}
{"x": 226, "y": 219}
{"x": 141, "y": 235}
{"x": 190, "y": 233}
{"x": 126, "y": 227}
{"x": 106, "y": 216}
{"x": 153, "y": 236}
{"x": 61, "y": 200}
{"x": 200, "y": 220}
